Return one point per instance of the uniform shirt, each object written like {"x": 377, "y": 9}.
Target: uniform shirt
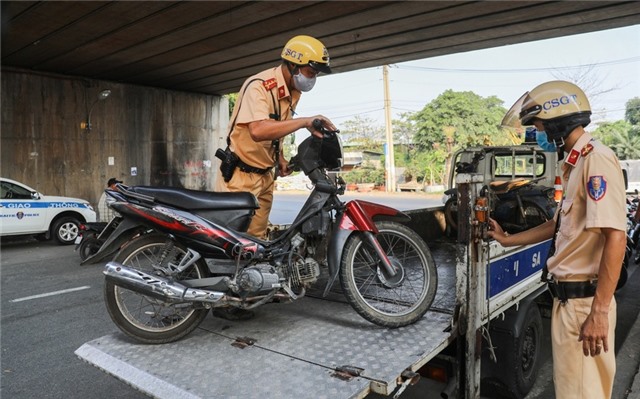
{"x": 594, "y": 198}
{"x": 256, "y": 104}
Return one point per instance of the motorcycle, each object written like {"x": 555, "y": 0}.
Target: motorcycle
{"x": 184, "y": 252}
{"x": 92, "y": 236}
{"x": 87, "y": 242}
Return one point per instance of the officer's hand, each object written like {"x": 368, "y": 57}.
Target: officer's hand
{"x": 495, "y": 231}
{"x": 594, "y": 334}
{"x": 326, "y": 123}
{"x": 284, "y": 169}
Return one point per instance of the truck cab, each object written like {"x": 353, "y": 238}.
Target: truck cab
{"x": 505, "y": 163}
{"x": 521, "y": 184}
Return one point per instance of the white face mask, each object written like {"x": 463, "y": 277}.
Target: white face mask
{"x": 303, "y": 83}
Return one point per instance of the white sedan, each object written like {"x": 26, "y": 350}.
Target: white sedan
{"x": 24, "y": 210}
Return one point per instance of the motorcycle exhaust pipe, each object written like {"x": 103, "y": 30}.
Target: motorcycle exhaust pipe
{"x": 156, "y": 286}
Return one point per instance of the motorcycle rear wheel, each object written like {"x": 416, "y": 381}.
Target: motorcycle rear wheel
{"x": 88, "y": 247}
{"x": 146, "y": 319}
{"x": 395, "y": 301}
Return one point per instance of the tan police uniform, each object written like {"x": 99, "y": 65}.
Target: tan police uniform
{"x": 594, "y": 198}
{"x": 261, "y": 100}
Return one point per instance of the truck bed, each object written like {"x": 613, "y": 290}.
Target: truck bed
{"x": 295, "y": 350}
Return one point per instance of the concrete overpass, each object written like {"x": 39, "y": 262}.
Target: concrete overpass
{"x": 212, "y": 46}
{"x": 167, "y": 63}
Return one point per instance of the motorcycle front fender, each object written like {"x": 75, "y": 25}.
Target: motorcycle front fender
{"x": 334, "y": 254}
{"x": 126, "y": 230}
{"x": 357, "y": 216}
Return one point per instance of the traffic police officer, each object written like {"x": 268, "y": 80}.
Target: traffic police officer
{"x": 589, "y": 228}
{"x": 264, "y": 114}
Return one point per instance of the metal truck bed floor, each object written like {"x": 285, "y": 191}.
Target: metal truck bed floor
{"x": 297, "y": 348}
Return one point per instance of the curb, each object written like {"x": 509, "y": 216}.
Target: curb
{"x": 628, "y": 361}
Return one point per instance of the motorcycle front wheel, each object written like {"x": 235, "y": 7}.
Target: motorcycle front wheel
{"x": 146, "y": 319}
{"x": 384, "y": 300}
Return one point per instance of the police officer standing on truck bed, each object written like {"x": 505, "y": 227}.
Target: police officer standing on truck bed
{"x": 588, "y": 244}
{"x": 264, "y": 114}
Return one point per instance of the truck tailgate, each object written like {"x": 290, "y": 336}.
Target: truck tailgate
{"x": 296, "y": 350}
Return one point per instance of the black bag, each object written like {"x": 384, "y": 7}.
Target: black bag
{"x": 229, "y": 162}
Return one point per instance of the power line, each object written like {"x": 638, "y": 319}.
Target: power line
{"x": 522, "y": 70}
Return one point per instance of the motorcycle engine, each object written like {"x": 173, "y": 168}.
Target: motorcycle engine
{"x": 258, "y": 278}
{"x": 303, "y": 272}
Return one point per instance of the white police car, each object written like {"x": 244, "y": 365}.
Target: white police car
{"x": 23, "y": 210}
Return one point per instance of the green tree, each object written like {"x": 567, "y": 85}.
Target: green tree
{"x": 363, "y": 132}
{"x": 623, "y": 136}
{"x": 459, "y": 119}
{"x": 632, "y": 111}
{"x": 452, "y": 121}
{"x": 233, "y": 97}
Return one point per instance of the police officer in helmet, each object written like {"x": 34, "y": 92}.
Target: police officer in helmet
{"x": 588, "y": 243}
{"x": 263, "y": 115}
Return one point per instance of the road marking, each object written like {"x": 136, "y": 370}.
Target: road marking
{"x": 28, "y": 298}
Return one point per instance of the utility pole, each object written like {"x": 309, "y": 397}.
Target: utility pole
{"x": 390, "y": 163}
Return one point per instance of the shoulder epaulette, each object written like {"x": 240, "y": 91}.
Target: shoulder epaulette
{"x": 586, "y": 149}
{"x": 270, "y": 83}
{"x": 573, "y": 157}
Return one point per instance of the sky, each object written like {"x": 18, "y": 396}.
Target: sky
{"x": 505, "y": 72}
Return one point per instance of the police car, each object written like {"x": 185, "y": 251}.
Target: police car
{"x": 24, "y": 210}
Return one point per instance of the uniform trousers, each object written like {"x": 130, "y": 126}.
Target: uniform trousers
{"x": 576, "y": 376}
{"x": 262, "y": 187}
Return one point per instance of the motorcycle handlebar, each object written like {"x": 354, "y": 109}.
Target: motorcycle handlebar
{"x": 326, "y": 133}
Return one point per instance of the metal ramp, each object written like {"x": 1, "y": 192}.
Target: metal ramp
{"x": 296, "y": 350}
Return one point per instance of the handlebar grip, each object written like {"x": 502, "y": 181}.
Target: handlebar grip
{"x": 327, "y": 134}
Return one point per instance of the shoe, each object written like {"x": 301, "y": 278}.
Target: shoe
{"x": 233, "y": 314}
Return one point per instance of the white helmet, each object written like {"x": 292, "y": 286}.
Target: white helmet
{"x": 560, "y": 106}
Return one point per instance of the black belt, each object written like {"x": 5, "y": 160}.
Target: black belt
{"x": 251, "y": 169}
{"x": 564, "y": 290}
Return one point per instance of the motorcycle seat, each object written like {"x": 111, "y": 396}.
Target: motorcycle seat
{"x": 502, "y": 187}
{"x": 198, "y": 200}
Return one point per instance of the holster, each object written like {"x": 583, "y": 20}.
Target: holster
{"x": 229, "y": 163}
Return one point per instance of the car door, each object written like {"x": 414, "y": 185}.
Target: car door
{"x": 21, "y": 210}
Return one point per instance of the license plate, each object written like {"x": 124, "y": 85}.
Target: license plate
{"x": 78, "y": 240}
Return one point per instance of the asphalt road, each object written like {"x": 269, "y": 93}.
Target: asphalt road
{"x": 51, "y": 306}
{"x": 287, "y": 204}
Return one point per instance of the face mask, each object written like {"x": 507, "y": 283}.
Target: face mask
{"x": 303, "y": 83}
{"x": 541, "y": 138}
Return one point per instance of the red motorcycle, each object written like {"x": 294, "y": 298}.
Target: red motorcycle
{"x": 184, "y": 252}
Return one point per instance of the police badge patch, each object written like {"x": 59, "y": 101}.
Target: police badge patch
{"x": 596, "y": 187}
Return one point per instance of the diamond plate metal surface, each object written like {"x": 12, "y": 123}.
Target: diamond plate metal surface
{"x": 297, "y": 347}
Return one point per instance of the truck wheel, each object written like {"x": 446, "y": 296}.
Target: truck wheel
{"x": 144, "y": 318}
{"x": 518, "y": 358}
{"x": 527, "y": 348}
{"x": 66, "y": 229}
{"x": 451, "y": 213}
{"x": 389, "y": 301}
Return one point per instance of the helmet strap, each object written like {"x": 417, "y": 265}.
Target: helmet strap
{"x": 291, "y": 67}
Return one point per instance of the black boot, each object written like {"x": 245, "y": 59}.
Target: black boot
{"x": 233, "y": 314}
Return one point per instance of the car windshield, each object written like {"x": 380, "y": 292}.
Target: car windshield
{"x": 13, "y": 191}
